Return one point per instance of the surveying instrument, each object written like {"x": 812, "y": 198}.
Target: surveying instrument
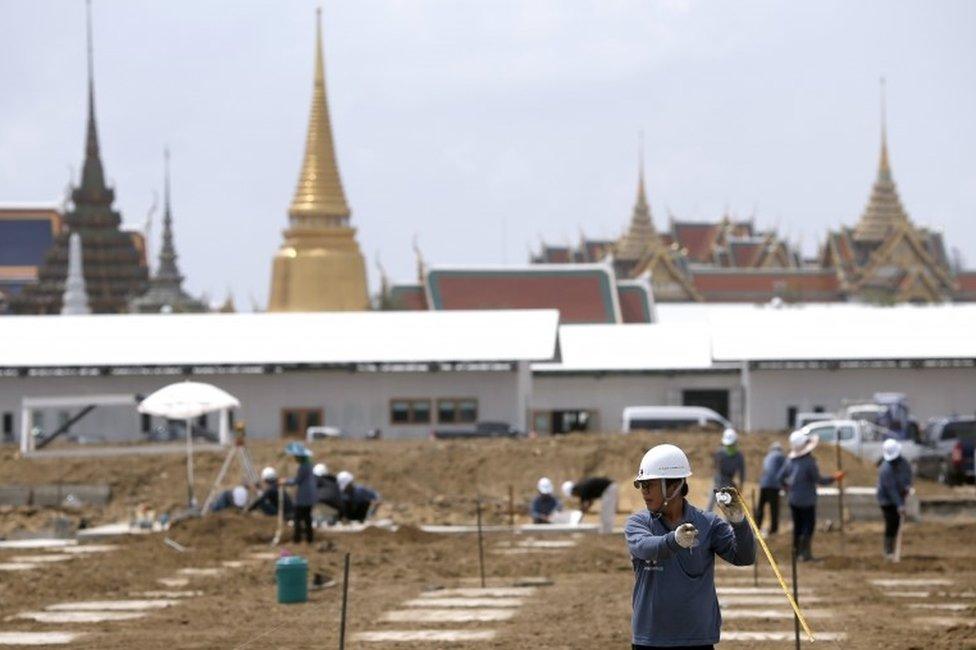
{"x": 243, "y": 456}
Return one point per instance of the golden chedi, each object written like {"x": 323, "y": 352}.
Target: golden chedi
{"x": 319, "y": 266}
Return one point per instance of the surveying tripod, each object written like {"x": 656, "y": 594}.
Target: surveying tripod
{"x": 243, "y": 456}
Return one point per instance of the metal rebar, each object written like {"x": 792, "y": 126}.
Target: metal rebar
{"x": 345, "y": 598}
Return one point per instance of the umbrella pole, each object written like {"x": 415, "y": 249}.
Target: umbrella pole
{"x": 189, "y": 464}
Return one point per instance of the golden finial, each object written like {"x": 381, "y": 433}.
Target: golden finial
{"x": 319, "y": 192}
{"x": 884, "y": 169}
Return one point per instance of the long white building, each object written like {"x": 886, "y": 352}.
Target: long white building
{"x": 407, "y": 373}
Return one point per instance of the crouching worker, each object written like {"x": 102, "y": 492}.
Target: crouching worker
{"x": 327, "y": 492}
{"x": 235, "y": 498}
{"x": 267, "y": 502}
{"x": 544, "y": 505}
{"x": 358, "y": 501}
{"x": 673, "y": 547}
{"x": 588, "y": 490}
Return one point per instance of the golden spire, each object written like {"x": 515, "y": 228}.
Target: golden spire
{"x": 319, "y": 199}
{"x": 884, "y": 169}
{"x": 640, "y": 236}
{"x": 884, "y": 210}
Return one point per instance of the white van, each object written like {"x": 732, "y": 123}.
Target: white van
{"x": 672, "y": 417}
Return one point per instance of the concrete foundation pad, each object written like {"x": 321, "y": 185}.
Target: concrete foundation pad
{"x": 83, "y": 549}
{"x": 39, "y": 559}
{"x": 908, "y": 594}
{"x": 519, "y": 551}
{"x": 783, "y": 612}
{"x": 206, "y": 572}
{"x": 945, "y": 621}
{"x": 36, "y": 543}
{"x": 737, "y": 591}
{"x": 779, "y": 636}
{"x": 174, "y": 582}
{"x": 232, "y": 564}
{"x": 463, "y": 602}
{"x": 426, "y": 635}
{"x": 954, "y": 607}
{"x": 79, "y": 617}
{"x": 911, "y": 582}
{"x": 552, "y": 543}
{"x": 167, "y": 594}
{"x": 111, "y": 605}
{"x": 18, "y": 566}
{"x": 447, "y": 615}
{"x": 38, "y": 638}
{"x": 736, "y": 601}
{"x": 477, "y": 592}
{"x": 264, "y": 556}
{"x": 112, "y": 530}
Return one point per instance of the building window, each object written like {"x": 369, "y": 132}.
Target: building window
{"x": 454, "y": 410}
{"x": 37, "y": 422}
{"x": 410, "y": 411}
{"x": 146, "y": 422}
{"x": 791, "y": 417}
{"x": 295, "y": 421}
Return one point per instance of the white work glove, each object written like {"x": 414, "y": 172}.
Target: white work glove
{"x": 686, "y": 535}
{"x": 728, "y": 502}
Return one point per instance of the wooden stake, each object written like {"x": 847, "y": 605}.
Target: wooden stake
{"x": 345, "y": 598}
{"x": 796, "y": 597}
{"x": 511, "y": 506}
{"x": 840, "y": 492}
{"x": 481, "y": 547}
{"x": 755, "y": 565}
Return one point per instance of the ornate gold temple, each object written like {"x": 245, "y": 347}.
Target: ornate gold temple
{"x": 319, "y": 266}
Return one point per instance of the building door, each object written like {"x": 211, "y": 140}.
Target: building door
{"x": 295, "y": 421}
{"x": 717, "y": 400}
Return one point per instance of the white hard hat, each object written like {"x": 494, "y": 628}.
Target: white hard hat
{"x": 344, "y": 478}
{"x": 568, "y": 488}
{"x": 729, "y": 437}
{"x": 268, "y": 474}
{"x": 239, "y": 494}
{"x": 320, "y": 469}
{"x": 663, "y": 461}
{"x": 544, "y": 486}
{"x": 891, "y": 449}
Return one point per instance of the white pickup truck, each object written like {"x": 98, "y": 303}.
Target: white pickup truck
{"x": 863, "y": 438}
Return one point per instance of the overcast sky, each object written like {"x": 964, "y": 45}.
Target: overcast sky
{"x": 482, "y": 127}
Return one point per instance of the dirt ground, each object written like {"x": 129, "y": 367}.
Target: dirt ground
{"x": 586, "y": 606}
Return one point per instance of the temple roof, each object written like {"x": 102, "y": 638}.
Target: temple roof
{"x": 319, "y": 192}
{"x": 641, "y": 235}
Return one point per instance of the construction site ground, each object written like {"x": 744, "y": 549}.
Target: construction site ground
{"x": 578, "y": 591}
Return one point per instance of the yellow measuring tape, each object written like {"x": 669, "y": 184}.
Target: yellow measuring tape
{"x": 772, "y": 563}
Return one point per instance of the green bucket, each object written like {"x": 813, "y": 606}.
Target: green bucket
{"x": 291, "y": 574}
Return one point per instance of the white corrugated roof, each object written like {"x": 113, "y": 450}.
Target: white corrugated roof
{"x": 281, "y": 338}
{"x": 832, "y": 331}
{"x": 633, "y": 347}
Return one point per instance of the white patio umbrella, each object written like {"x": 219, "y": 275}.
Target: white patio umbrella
{"x": 186, "y": 400}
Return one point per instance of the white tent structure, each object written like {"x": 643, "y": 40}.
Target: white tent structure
{"x": 186, "y": 400}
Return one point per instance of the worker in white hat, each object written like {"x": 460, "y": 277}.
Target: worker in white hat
{"x": 673, "y": 546}
{"x": 267, "y": 501}
{"x": 544, "y": 505}
{"x": 894, "y": 485}
{"x": 359, "y": 502}
{"x": 588, "y": 490}
{"x": 801, "y": 476}
{"x": 728, "y": 462}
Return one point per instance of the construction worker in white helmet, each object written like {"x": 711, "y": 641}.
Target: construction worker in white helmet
{"x": 728, "y": 462}
{"x": 673, "y": 546}
{"x": 544, "y": 505}
{"x": 267, "y": 501}
{"x": 894, "y": 486}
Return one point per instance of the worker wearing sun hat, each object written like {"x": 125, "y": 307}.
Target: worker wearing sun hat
{"x": 894, "y": 485}
{"x": 801, "y": 476}
{"x": 306, "y": 492}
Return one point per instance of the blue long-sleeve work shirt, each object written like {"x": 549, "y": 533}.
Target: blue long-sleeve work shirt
{"x": 306, "y": 492}
{"x": 727, "y": 466}
{"x": 801, "y": 476}
{"x": 772, "y": 465}
{"x": 674, "y": 599}
{"x": 894, "y": 481}
{"x": 542, "y": 506}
